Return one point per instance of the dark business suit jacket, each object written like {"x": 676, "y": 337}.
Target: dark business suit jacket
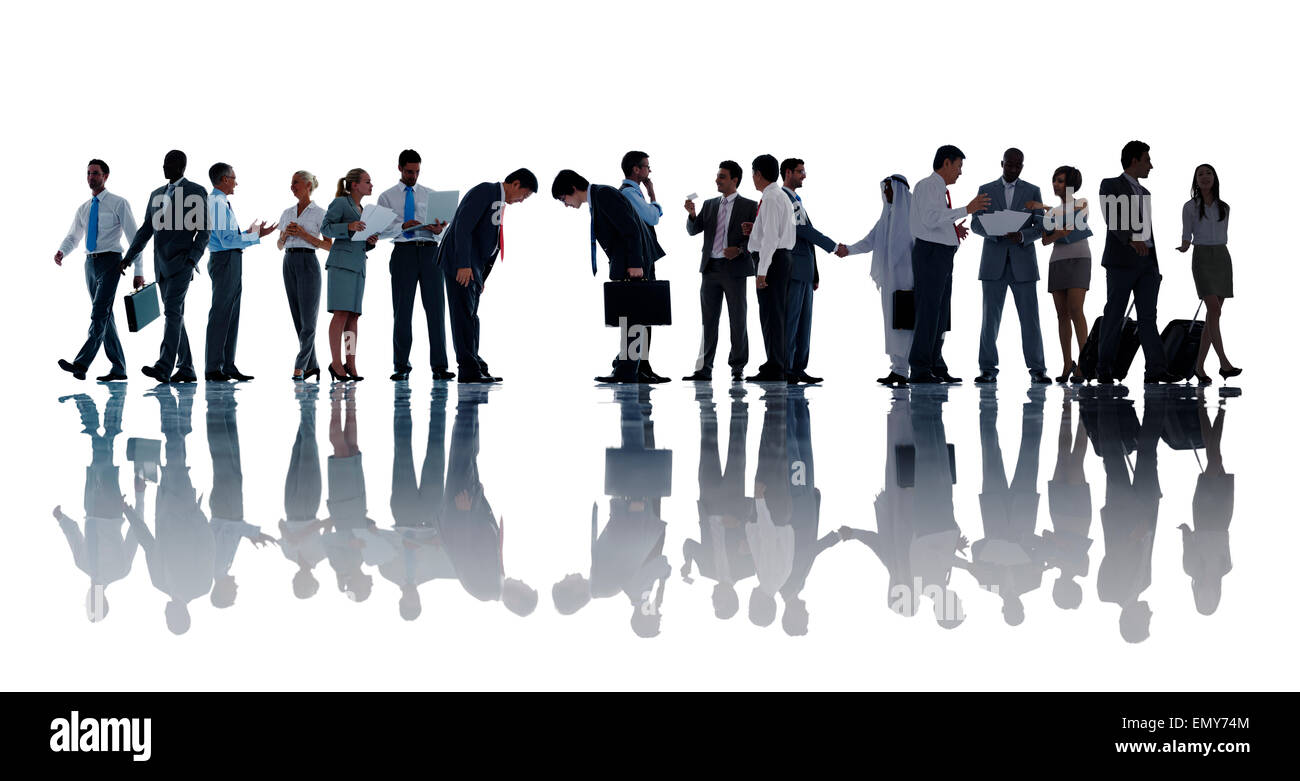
{"x": 742, "y": 210}
{"x": 176, "y": 249}
{"x": 1119, "y": 252}
{"x": 471, "y": 239}
{"x": 620, "y": 231}
{"x": 998, "y": 251}
{"x": 807, "y": 238}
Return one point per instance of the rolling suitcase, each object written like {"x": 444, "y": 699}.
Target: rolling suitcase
{"x": 1124, "y": 353}
{"x": 1182, "y": 341}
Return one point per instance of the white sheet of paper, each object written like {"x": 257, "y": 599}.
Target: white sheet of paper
{"x": 1003, "y": 222}
{"x": 377, "y": 219}
{"x": 692, "y": 196}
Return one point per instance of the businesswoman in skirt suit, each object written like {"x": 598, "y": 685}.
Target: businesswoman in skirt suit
{"x": 345, "y": 269}
{"x": 1205, "y": 229}
{"x": 300, "y": 238}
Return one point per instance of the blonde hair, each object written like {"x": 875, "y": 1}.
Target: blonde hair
{"x": 345, "y": 183}
{"x": 309, "y": 178}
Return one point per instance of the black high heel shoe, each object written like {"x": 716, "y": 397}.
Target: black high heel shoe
{"x": 1070, "y": 374}
{"x": 1226, "y": 373}
{"x": 352, "y": 375}
{"x": 307, "y": 375}
{"x": 336, "y": 377}
{"x": 1203, "y": 379}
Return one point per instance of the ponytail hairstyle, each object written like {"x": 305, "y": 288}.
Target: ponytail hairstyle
{"x": 345, "y": 184}
{"x": 309, "y": 178}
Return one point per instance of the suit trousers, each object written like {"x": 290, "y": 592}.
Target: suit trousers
{"x": 103, "y": 269}
{"x": 932, "y": 272}
{"x": 412, "y": 266}
{"x": 302, "y": 285}
{"x": 226, "y": 270}
{"x": 462, "y": 305}
{"x": 175, "y": 350}
{"x": 714, "y": 286}
{"x": 1143, "y": 282}
{"x": 1025, "y": 294}
{"x": 772, "y": 314}
{"x": 798, "y": 325}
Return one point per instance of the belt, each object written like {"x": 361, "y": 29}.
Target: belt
{"x": 105, "y": 252}
{"x": 300, "y": 249}
{"x": 417, "y": 243}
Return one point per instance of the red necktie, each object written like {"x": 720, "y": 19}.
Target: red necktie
{"x": 948, "y": 197}
{"x": 501, "y": 235}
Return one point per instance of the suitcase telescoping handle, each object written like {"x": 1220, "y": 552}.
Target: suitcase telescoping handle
{"x": 1199, "y": 304}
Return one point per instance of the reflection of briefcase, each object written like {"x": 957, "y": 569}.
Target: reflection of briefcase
{"x": 146, "y": 454}
{"x": 905, "y": 312}
{"x": 641, "y": 301}
{"x": 634, "y": 472}
{"x": 142, "y": 307}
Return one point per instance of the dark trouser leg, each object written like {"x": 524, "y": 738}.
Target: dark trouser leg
{"x": 224, "y": 269}
{"x": 772, "y": 312}
{"x": 711, "y": 293}
{"x": 434, "y": 298}
{"x": 1119, "y": 284}
{"x": 462, "y": 304}
{"x": 737, "y": 313}
{"x": 995, "y": 297}
{"x": 101, "y": 281}
{"x": 1025, "y": 294}
{"x": 798, "y": 325}
{"x": 404, "y": 268}
{"x": 175, "y": 350}
{"x": 302, "y": 283}
{"x": 1146, "y": 291}
{"x": 932, "y": 270}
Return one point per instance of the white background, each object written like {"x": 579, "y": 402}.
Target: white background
{"x": 857, "y": 92}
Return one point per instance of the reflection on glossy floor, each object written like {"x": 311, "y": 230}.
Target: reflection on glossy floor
{"x": 756, "y": 540}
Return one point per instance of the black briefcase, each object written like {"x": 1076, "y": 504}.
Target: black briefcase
{"x": 641, "y": 301}
{"x": 142, "y": 307}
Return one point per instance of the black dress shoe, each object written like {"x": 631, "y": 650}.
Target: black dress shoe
{"x": 699, "y": 376}
{"x": 923, "y": 378}
{"x": 154, "y": 373}
{"x": 399, "y": 376}
{"x": 75, "y": 370}
{"x": 1039, "y": 378}
{"x": 646, "y": 375}
{"x": 763, "y": 376}
{"x": 215, "y": 377}
{"x": 1157, "y": 377}
{"x": 986, "y": 378}
{"x": 238, "y": 376}
{"x": 1105, "y": 379}
{"x": 808, "y": 379}
{"x": 893, "y": 378}
{"x": 614, "y": 378}
{"x": 443, "y": 374}
{"x": 468, "y": 379}
{"x": 111, "y": 377}
{"x": 737, "y": 375}
{"x": 184, "y": 377}
{"x": 945, "y": 377}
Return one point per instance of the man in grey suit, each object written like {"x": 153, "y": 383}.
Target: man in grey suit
{"x": 1009, "y": 261}
{"x": 725, "y": 262}
{"x": 177, "y": 220}
{"x": 804, "y": 277}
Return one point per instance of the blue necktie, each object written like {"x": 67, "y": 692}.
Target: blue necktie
{"x": 409, "y": 212}
{"x": 92, "y": 228}
{"x": 593, "y": 241}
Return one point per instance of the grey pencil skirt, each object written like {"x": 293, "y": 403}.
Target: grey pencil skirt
{"x": 343, "y": 290}
{"x": 1212, "y": 271}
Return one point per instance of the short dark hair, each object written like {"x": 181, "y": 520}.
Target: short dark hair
{"x": 1132, "y": 151}
{"x": 407, "y": 156}
{"x": 789, "y": 164}
{"x": 730, "y": 166}
{"x": 176, "y": 157}
{"x": 526, "y": 179}
{"x": 767, "y": 167}
{"x": 102, "y": 165}
{"x": 945, "y": 153}
{"x": 566, "y": 182}
{"x": 1073, "y": 178}
{"x": 632, "y": 160}
{"x": 217, "y": 171}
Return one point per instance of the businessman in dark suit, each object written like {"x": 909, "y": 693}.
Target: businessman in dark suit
{"x": 804, "y": 278}
{"x": 469, "y": 250}
{"x": 630, "y": 247}
{"x": 1009, "y": 261}
{"x": 1131, "y": 266}
{"x": 725, "y": 262}
{"x": 177, "y": 220}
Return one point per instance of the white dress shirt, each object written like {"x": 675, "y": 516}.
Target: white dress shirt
{"x": 395, "y": 198}
{"x": 310, "y": 220}
{"x": 931, "y": 218}
{"x": 1009, "y": 194}
{"x": 773, "y": 227}
{"x": 720, "y": 227}
{"x": 115, "y": 218}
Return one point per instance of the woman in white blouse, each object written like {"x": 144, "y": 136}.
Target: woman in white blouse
{"x": 300, "y": 239}
{"x": 1205, "y": 228}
